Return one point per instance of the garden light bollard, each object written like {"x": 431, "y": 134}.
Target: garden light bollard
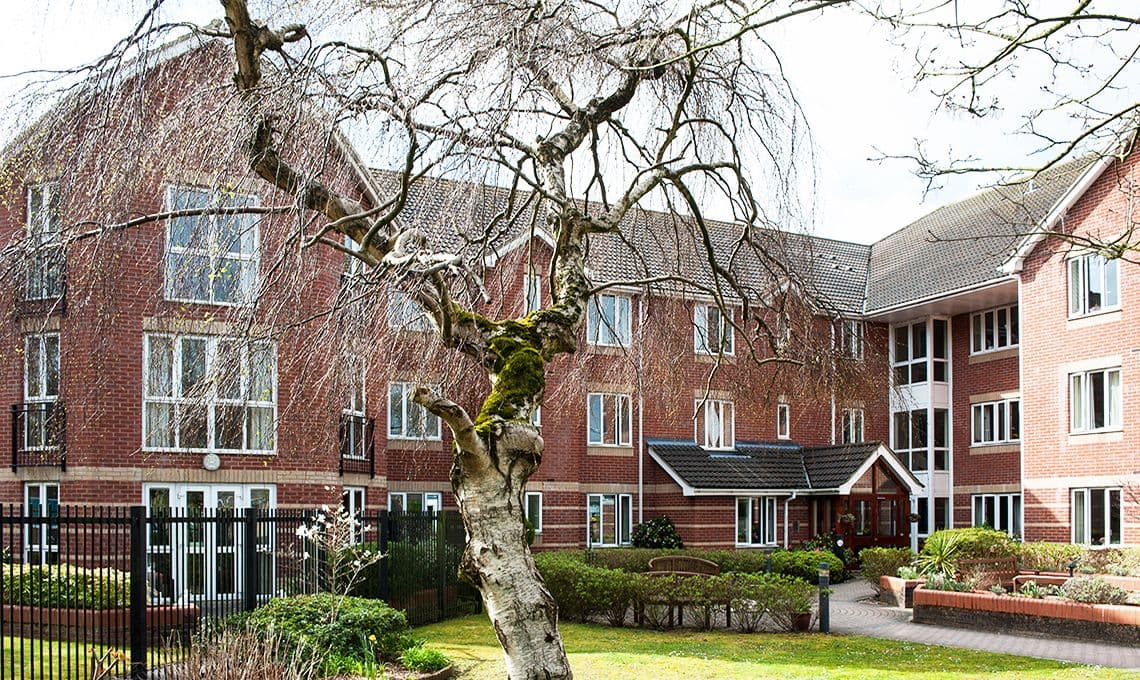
{"x": 824, "y": 600}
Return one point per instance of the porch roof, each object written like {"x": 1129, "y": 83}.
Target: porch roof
{"x": 771, "y": 467}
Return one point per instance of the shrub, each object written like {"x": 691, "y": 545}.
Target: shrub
{"x": 941, "y": 581}
{"x": 65, "y": 585}
{"x": 339, "y": 630}
{"x": 939, "y": 557}
{"x": 976, "y": 543}
{"x": 1115, "y": 561}
{"x": 609, "y": 592}
{"x": 805, "y": 565}
{"x": 1047, "y": 556}
{"x": 908, "y": 572}
{"x": 243, "y": 654}
{"x": 787, "y": 598}
{"x": 883, "y": 561}
{"x": 424, "y": 659}
{"x": 562, "y": 572}
{"x": 1092, "y": 590}
{"x": 658, "y": 532}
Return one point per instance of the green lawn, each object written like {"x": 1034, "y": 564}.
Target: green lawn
{"x": 601, "y": 653}
{"x": 54, "y": 660}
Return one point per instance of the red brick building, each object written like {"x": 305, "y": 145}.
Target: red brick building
{"x": 997, "y": 384}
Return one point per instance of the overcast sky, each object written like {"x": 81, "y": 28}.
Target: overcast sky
{"x": 856, "y": 90}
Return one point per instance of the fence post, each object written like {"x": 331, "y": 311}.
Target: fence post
{"x": 382, "y": 525}
{"x": 440, "y": 568}
{"x": 252, "y": 568}
{"x": 138, "y": 592}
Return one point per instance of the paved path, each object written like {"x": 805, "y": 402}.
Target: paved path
{"x": 853, "y": 612}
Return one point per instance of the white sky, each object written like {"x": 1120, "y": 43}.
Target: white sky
{"x": 855, "y": 88}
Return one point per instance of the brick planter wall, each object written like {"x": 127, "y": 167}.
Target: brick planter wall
{"x": 1002, "y": 613}
{"x": 96, "y": 626}
{"x": 898, "y": 592}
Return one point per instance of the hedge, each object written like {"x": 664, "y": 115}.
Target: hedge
{"x": 585, "y": 592}
{"x": 801, "y": 563}
{"x": 879, "y": 561}
{"x": 65, "y": 586}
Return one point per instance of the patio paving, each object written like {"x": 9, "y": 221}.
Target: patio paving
{"x": 854, "y": 611}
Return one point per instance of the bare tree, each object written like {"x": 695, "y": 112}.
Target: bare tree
{"x": 582, "y": 114}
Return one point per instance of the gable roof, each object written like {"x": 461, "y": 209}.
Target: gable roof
{"x": 964, "y": 244}
{"x": 772, "y": 467}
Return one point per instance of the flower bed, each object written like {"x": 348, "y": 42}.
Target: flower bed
{"x": 1115, "y": 623}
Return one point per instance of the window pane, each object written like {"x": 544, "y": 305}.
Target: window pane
{"x": 1077, "y": 402}
{"x": 1111, "y": 284}
{"x": 160, "y": 366}
{"x": 1076, "y": 292}
{"x": 940, "y": 339}
{"x": 609, "y": 519}
{"x": 1080, "y": 517}
{"x": 918, "y": 372}
{"x": 1115, "y": 526}
{"x": 622, "y": 412}
{"x": 1094, "y": 283}
{"x": 33, "y": 366}
{"x": 742, "y": 523}
{"x": 259, "y": 428}
{"x": 261, "y": 372}
{"x": 594, "y": 518}
{"x": 1098, "y": 408}
{"x": 593, "y": 321}
{"x": 229, "y": 419}
{"x": 160, "y": 425}
{"x": 1002, "y": 327}
{"x": 1097, "y": 528}
{"x": 609, "y": 322}
{"x": 51, "y": 365}
{"x": 396, "y": 410}
{"x": 990, "y": 330}
{"x": 1015, "y": 420}
{"x": 918, "y": 438}
{"x": 625, "y": 516}
{"x": 1113, "y": 419}
{"x": 902, "y": 344}
{"x": 918, "y": 340}
{"x": 595, "y": 419}
{"x": 1014, "y": 326}
{"x": 622, "y": 320}
{"x": 1016, "y": 503}
{"x": 192, "y": 427}
{"x": 902, "y": 430}
{"x": 941, "y": 428}
{"x": 977, "y": 423}
{"x": 976, "y": 340}
{"x": 193, "y": 365}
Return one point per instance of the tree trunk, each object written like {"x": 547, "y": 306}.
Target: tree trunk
{"x": 497, "y": 558}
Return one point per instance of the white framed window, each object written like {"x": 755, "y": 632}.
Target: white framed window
{"x": 716, "y": 424}
{"x": 755, "y": 520}
{"x": 995, "y": 422}
{"x": 1098, "y": 517}
{"x": 852, "y": 426}
{"x": 406, "y": 314}
{"x": 941, "y": 439}
{"x": 352, "y": 500}
{"x": 909, "y": 439}
{"x": 851, "y": 338}
{"x": 783, "y": 421}
{"x": 415, "y": 501}
{"x": 609, "y": 419}
{"x": 712, "y": 331}
{"x": 609, "y": 519}
{"x": 1001, "y": 511}
{"x": 208, "y": 393}
{"x": 909, "y": 359}
{"x": 1094, "y": 284}
{"x": 532, "y": 291}
{"x": 43, "y": 419}
{"x": 45, "y": 242}
{"x": 533, "y": 510}
{"x": 41, "y": 541}
{"x": 211, "y": 258}
{"x": 354, "y": 418}
{"x": 994, "y": 329}
{"x": 608, "y": 321}
{"x": 1095, "y": 400}
{"x": 406, "y": 418}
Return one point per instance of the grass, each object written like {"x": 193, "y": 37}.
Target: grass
{"x": 602, "y": 653}
{"x": 55, "y": 660}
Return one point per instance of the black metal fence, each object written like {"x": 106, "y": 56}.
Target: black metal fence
{"x": 84, "y": 588}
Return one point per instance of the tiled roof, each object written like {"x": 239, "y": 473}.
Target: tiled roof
{"x": 650, "y": 244}
{"x": 763, "y": 466}
{"x": 962, "y": 244}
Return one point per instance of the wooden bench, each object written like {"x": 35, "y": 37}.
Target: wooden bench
{"x": 992, "y": 570}
{"x": 683, "y": 565}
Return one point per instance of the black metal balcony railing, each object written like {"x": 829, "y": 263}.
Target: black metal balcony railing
{"x": 39, "y": 435}
{"x": 357, "y": 445}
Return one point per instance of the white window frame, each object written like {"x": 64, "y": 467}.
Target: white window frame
{"x": 532, "y": 291}
{"x": 851, "y": 338}
{"x": 981, "y": 504}
{"x": 209, "y": 399}
{"x": 609, "y": 332}
{"x": 622, "y": 504}
{"x": 212, "y": 249}
{"x": 1082, "y": 526}
{"x": 430, "y": 423}
{"x": 727, "y": 334}
{"x": 715, "y": 424}
{"x": 535, "y": 522}
{"x": 40, "y": 407}
{"x": 1081, "y": 407}
{"x": 912, "y": 358}
{"x": 621, "y": 405}
{"x": 39, "y": 536}
{"x": 768, "y": 523}
{"x": 1080, "y": 276}
{"x": 986, "y": 329}
{"x": 999, "y": 416}
{"x": 851, "y": 426}
{"x": 405, "y": 314}
{"x": 353, "y": 499}
{"x": 908, "y": 447}
{"x": 355, "y": 411}
{"x": 783, "y": 421}
{"x": 45, "y": 238}
{"x": 431, "y": 501}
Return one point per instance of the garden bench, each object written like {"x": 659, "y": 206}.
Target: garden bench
{"x": 684, "y": 565}
{"x": 996, "y": 570}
